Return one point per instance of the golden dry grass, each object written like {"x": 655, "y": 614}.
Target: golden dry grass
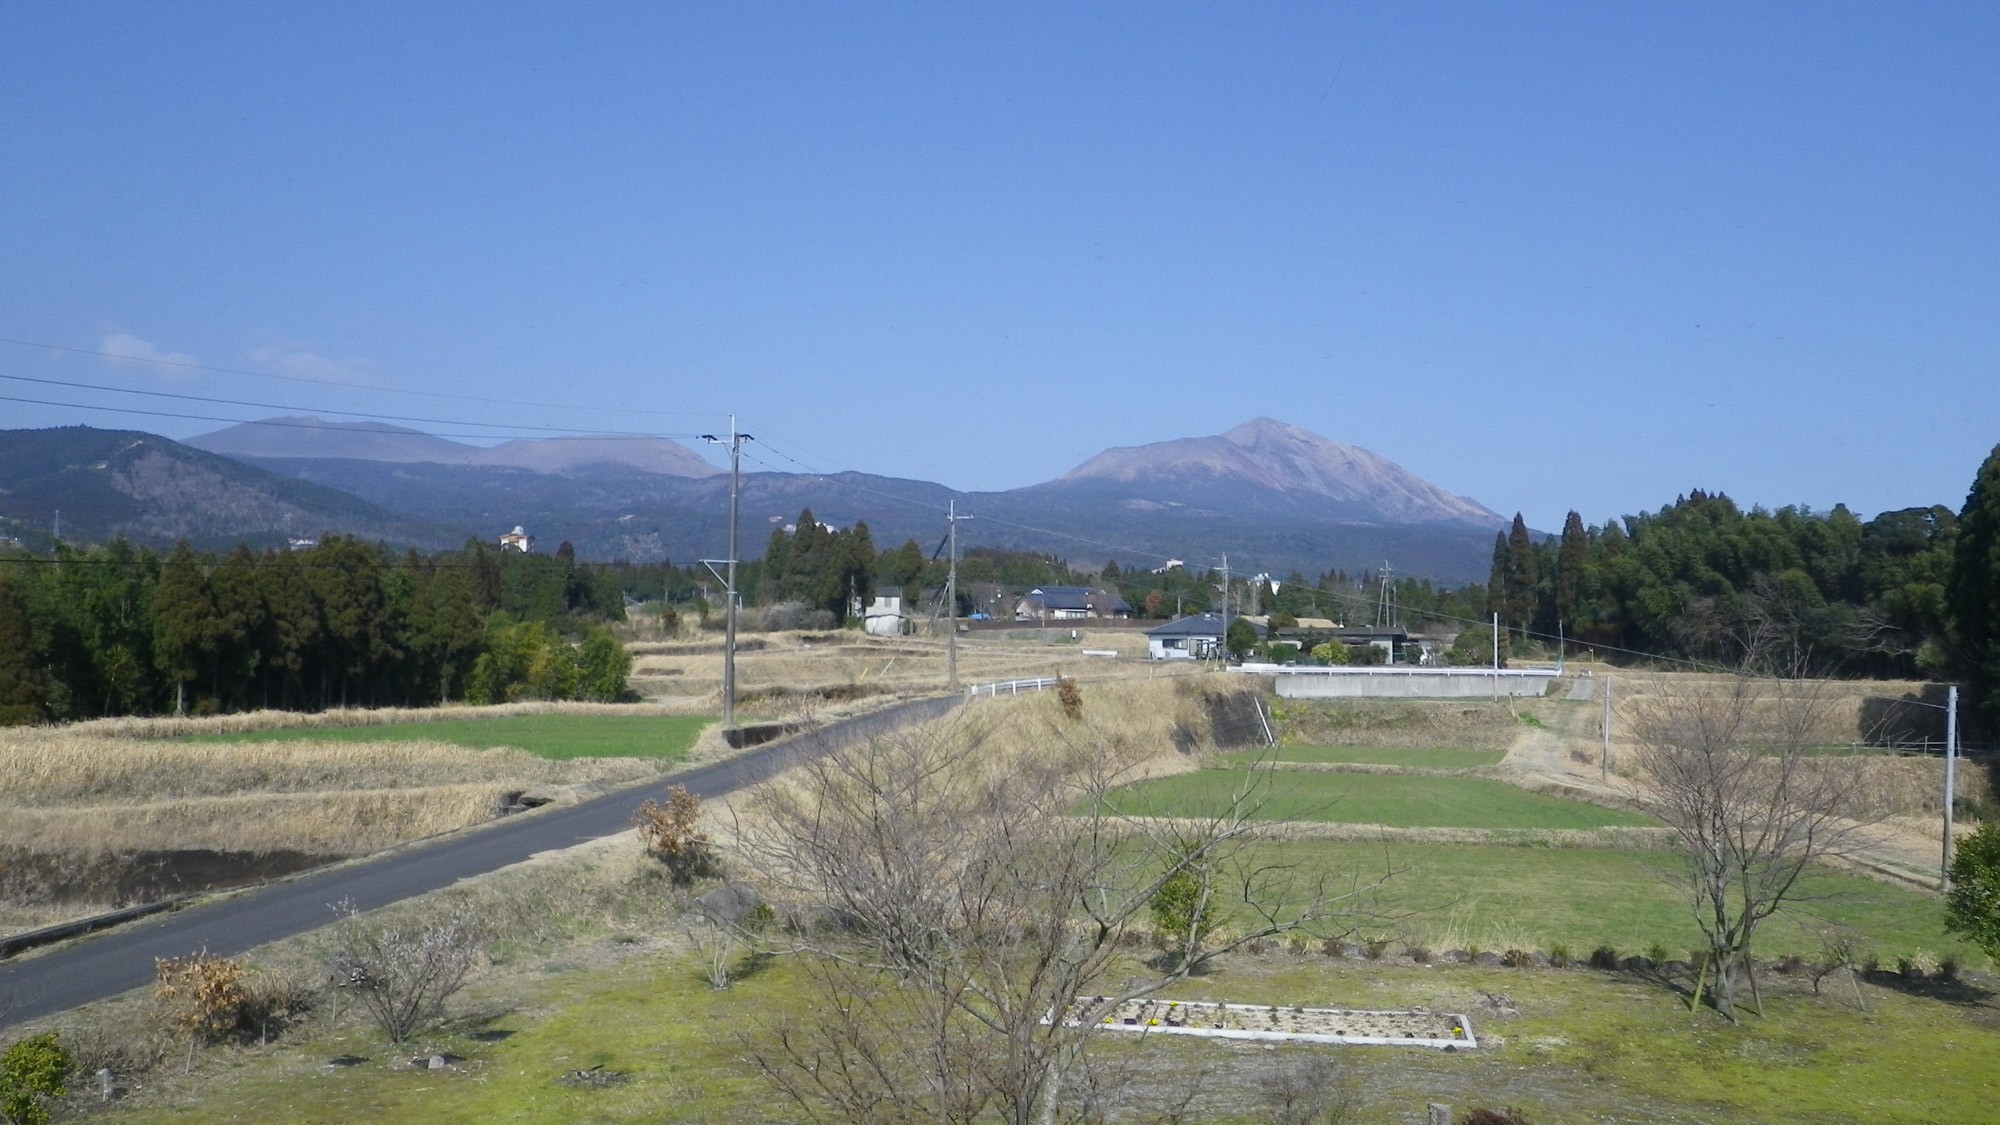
{"x": 81, "y": 770}
{"x": 348, "y": 822}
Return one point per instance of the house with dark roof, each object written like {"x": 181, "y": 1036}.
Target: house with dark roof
{"x": 1070, "y": 603}
{"x": 1197, "y": 636}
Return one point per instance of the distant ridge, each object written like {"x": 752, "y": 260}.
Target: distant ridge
{"x": 306, "y": 436}
{"x": 1269, "y": 466}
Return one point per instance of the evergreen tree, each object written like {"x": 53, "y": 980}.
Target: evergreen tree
{"x": 291, "y": 623}
{"x": 184, "y": 625}
{"x": 1571, "y": 558}
{"x": 1520, "y": 583}
{"x": 236, "y": 593}
{"x": 1496, "y": 575}
{"x": 23, "y": 688}
{"x": 1974, "y": 592}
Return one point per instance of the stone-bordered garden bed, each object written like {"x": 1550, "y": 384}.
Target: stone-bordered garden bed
{"x": 1416, "y": 1027}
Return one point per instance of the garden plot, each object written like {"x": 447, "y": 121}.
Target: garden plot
{"x": 1415, "y": 1027}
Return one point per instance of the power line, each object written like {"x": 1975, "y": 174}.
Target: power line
{"x": 305, "y": 409}
{"x": 191, "y": 366}
{"x": 291, "y": 425}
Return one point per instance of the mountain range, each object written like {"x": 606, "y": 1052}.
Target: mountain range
{"x": 1272, "y": 495}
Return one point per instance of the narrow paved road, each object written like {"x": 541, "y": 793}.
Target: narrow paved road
{"x": 116, "y": 961}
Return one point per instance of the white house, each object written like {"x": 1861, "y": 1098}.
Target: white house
{"x": 517, "y": 540}
{"x": 1195, "y": 637}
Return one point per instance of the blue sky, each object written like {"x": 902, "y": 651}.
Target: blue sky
{"x": 1549, "y": 256}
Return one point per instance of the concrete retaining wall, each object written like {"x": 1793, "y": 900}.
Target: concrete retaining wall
{"x": 1412, "y": 683}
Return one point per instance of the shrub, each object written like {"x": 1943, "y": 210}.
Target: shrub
{"x": 1517, "y": 958}
{"x": 1657, "y": 954}
{"x": 1483, "y": 1116}
{"x": 671, "y": 834}
{"x": 1311, "y": 1089}
{"x": 199, "y": 996}
{"x": 31, "y": 1071}
{"x": 274, "y": 997}
{"x": 1182, "y": 915}
{"x": 1070, "y": 696}
{"x": 1559, "y": 955}
{"x": 1376, "y": 948}
{"x": 1604, "y": 957}
{"x": 1420, "y": 954}
{"x": 404, "y": 975}
{"x": 1948, "y": 968}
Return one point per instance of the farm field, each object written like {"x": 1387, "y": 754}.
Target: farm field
{"x": 1393, "y": 800}
{"x": 558, "y": 737}
{"x": 1415, "y": 757}
{"x": 1495, "y": 896}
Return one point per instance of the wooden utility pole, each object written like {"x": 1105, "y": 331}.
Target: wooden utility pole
{"x": 1950, "y": 778}
{"x": 735, "y": 443}
{"x": 951, "y": 599}
{"x": 1604, "y": 759}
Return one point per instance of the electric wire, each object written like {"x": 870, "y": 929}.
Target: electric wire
{"x": 287, "y": 425}
{"x": 191, "y": 366}
{"x": 365, "y": 415}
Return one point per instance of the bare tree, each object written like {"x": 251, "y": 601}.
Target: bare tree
{"x": 1736, "y": 772}
{"x": 972, "y": 892}
{"x": 404, "y": 974}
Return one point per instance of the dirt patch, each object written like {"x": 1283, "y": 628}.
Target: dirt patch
{"x": 55, "y": 879}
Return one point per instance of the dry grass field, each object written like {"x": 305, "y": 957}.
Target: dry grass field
{"x": 97, "y": 814}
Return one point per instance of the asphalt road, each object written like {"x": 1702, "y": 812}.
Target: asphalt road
{"x": 119, "y": 960}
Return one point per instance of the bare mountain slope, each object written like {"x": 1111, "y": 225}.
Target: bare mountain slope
{"x": 1269, "y": 466}
{"x": 310, "y": 437}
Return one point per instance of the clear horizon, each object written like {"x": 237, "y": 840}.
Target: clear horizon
{"x": 1551, "y": 258}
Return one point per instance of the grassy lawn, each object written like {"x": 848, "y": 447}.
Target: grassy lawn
{"x": 1429, "y": 758}
{"x": 1495, "y": 897}
{"x": 1387, "y": 799}
{"x": 1583, "y": 1047}
{"x": 549, "y": 736}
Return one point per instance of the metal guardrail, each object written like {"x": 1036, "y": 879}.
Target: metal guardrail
{"x": 1010, "y": 687}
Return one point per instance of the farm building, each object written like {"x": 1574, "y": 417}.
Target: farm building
{"x": 1070, "y": 603}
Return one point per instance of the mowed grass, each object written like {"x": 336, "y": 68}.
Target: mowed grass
{"x": 1396, "y": 801}
{"x": 1586, "y": 1046}
{"x": 558, "y": 737}
{"x": 1428, "y": 758}
{"x": 1495, "y": 896}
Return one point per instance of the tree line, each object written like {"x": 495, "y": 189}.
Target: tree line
{"x": 121, "y": 630}
{"x": 1806, "y": 592}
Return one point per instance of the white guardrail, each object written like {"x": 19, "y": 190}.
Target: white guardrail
{"x": 1009, "y": 687}
{"x": 1260, "y": 669}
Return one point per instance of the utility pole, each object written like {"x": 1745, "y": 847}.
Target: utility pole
{"x": 1222, "y": 638}
{"x": 735, "y": 443}
{"x": 951, "y": 600}
{"x": 1950, "y": 778}
{"x": 1604, "y": 759}
{"x": 1496, "y": 656}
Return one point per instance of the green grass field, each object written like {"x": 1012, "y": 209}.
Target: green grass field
{"x": 1359, "y": 798}
{"x": 1585, "y": 1046}
{"x": 549, "y": 736}
{"x": 1427, "y": 758}
{"x": 1494, "y": 896}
